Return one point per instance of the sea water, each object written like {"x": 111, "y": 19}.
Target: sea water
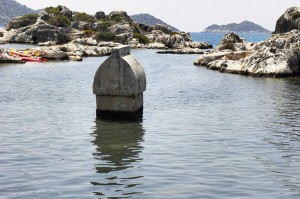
{"x": 204, "y": 134}
{"x": 215, "y": 38}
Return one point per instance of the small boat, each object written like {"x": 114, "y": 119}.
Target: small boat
{"x": 25, "y": 56}
{"x": 34, "y": 59}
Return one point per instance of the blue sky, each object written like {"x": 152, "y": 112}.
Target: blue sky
{"x": 187, "y": 15}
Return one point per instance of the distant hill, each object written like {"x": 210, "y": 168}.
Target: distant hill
{"x": 10, "y": 9}
{"x": 150, "y": 20}
{"x": 245, "y": 27}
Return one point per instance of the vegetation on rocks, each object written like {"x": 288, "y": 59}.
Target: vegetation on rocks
{"x": 81, "y": 16}
{"x": 54, "y": 10}
{"x": 105, "y": 36}
{"x": 59, "y": 21}
{"x": 142, "y": 38}
{"x": 30, "y": 17}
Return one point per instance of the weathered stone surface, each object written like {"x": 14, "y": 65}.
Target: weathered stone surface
{"x": 121, "y": 28}
{"x": 119, "y": 84}
{"x": 231, "y": 38}
{"x": 156, "y": 45}
{"x": 278, "y": 56}
{"x": 19, "y": 22}
{"x": 119, "y": 15}
{"x": 82, "y": 25}
{"x": 199, "y": 45}
{"x": 170, "y": 40}
{"x": 39, "y": 32}
{"x": 290, "y": 20}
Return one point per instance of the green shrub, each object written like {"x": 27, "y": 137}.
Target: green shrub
{"x": 106, "y": 36}
{"x": 103, "y": 27}
{"x": 117, "y": 18}
{"x": 84, "y": 17}
{"x": 142, "y": 38}
{"x": 30, "y": 16}
{"x": 54, "y": 10}
{"x": 60, "y": 21}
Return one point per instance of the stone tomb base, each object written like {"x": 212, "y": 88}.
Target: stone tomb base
{"x": 120, "y": 107}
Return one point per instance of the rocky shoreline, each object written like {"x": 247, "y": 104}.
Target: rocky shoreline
{"x": 278, "y": 56}
{"x": 63, "y": 34}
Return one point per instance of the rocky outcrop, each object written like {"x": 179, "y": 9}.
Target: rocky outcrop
{"x": 38, "y": 32}
{"x": 20, "y": 22}
{"x": 177, "y": 40}
{"x": 278, "y": 56}
{"x": 61, "y": 32}
{"x": 290, "y": 20}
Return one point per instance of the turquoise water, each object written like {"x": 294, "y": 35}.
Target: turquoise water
{"x": 204, "y": 134}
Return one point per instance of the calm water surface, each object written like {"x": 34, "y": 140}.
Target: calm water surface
{"x": 215, "y": 38}
{"x": 204, "y": 134}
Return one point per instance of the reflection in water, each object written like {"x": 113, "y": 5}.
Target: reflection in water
{"x": 118, "y": 151}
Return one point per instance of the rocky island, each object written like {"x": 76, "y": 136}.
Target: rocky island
{"x": 278, "y": 56}
{"x": 243, "y": 27}
{"x": 63, "y": 34}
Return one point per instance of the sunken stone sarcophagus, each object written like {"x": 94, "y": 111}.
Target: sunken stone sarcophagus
{"x": 119, "y": 84}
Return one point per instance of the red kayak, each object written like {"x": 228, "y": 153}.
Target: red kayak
{"x": 34, "y": 59}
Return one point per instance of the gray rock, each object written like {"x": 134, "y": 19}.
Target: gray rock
{"x": 156, "y": 45}
{"x": 82, "y": 25}
{"x": 121, "y": 28}
{"x": 39, "y": 32}
{"x": 19, "y": 22}
{"x": 55, "y": 53}
{"x": 119, "y": 16}
{"x": 199, "y": 45}
{"x": 290, "y": 20}
{"x": 100, "y": 15}
{"x": 276, "y": 57}
{"x": 67, "y": 12}
{"x": 169, "y": 40}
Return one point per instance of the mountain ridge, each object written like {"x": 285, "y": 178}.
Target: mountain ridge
{"x": 243, "y": 27}
{"x": 150, "y": 20}
{"x": 10, "y": 9}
